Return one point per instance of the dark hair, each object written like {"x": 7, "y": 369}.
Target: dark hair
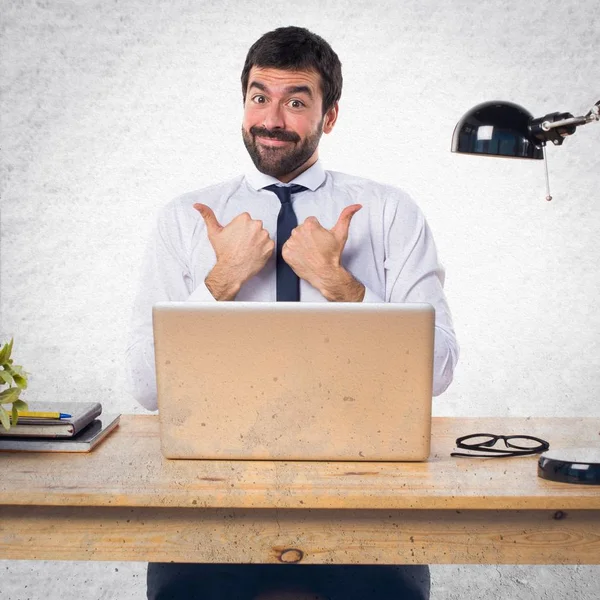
{"x": 296, "y": 48}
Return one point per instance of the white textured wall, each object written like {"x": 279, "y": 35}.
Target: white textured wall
{"x": 109, "y": 109}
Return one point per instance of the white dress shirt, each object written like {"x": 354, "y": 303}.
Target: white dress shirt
{"x": 390, "y": 250}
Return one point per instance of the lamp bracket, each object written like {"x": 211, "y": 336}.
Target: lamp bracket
{"x": 594, "y": 113}
{"x": 554, "y": 127}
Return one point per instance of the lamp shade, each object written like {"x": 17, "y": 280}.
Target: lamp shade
{"x": 496, "y": 129}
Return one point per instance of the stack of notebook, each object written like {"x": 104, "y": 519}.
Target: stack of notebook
{"x": 58, "y": 427}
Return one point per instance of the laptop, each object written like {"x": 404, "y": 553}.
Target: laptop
{"x": 294, "y": 380}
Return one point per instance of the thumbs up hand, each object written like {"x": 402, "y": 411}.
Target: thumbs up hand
{"x": 315, "y": 255}
{"x": 242, "y": 248}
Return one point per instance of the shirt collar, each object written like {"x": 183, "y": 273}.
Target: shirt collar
{"x": 312, "y": 178}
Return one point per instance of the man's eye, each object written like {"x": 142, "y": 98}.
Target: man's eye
{"x": 259, "y": 99}
{"x": 296, "y": 104}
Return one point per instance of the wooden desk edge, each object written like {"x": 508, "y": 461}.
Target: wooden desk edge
{"x": 300, "y": 502}
{"x": 307, "y": 537}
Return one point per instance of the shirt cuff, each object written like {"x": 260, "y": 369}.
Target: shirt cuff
{"x": 201, "y": 294}
{"x": 371, "y": 296}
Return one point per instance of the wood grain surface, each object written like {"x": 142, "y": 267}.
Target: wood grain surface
{"x": 124, "y": 501}
{"x": 302, "y": 537}
{"x": 128, "y": 470}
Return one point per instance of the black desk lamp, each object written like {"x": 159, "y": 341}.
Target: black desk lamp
{"x": 507, "y": 129}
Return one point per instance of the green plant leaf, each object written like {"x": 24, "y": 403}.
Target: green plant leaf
{"x": 18, "y": 370}
{"x": 20, "y": 405}
{"x": 7, "y": 377}
{"x": 8, "y": 368}
{"x": 4, "y": 354}
{"x": 15, "y": 414}
{"x": 9, "y": 395}
{"x": 4, "y": 418}
{"x": 9, "y": 348}
{"x": 20, "y": 382}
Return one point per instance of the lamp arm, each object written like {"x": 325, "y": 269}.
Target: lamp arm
{"x": 593, "y": 115}
{"x": 554, "y": 127}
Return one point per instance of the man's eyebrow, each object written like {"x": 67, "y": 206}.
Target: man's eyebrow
{"x": 299, "y": 89}
{"x": 257, "y": 84}
{"x": 292, "y": 89}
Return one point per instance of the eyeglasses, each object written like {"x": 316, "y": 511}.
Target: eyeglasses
{"x": 482, "y": 445}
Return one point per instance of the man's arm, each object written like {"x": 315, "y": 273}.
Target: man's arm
{"x": 414, "y": 274}
{"x": 412, "y": 271}
{"x": 164, "y": 276}
{"x": 339, "y": 285}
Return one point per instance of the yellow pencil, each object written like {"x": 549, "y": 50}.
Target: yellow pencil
{"x": 43, "y": 415}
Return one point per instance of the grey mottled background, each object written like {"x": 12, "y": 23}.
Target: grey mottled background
{"x": 111, "y": 108}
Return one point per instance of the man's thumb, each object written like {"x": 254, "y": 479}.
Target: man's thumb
{"x": 340, "y": 229}
{"x": 208, "y": 215}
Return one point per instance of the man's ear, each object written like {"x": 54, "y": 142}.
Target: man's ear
{"x": 330, "y": 118}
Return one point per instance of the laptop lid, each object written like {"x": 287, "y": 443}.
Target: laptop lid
{"x": 294, "y": 381}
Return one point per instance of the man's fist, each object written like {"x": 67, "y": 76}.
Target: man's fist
{"x": 242, "y": 248}
{"x": 315, "y": 255}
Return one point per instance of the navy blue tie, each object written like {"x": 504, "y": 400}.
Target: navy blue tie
{"x": 288, "y": 283}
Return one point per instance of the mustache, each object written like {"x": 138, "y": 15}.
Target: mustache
{"x": 276, "y": 134}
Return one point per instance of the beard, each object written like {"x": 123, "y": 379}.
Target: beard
{"x": 280, "y": 160}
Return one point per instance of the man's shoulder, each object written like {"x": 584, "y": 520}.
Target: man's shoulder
{"x": 354, "y": 184}
{"x": 207, "y": 195}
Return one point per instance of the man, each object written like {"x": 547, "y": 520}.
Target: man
{"x": 289, "y": 230}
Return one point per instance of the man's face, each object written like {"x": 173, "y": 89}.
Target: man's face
{"x": 283, "y": 120}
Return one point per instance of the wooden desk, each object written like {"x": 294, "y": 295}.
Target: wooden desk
{"x": 124, "y": 501}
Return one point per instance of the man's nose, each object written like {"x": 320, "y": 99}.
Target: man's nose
{"x": 273, "y": 117}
